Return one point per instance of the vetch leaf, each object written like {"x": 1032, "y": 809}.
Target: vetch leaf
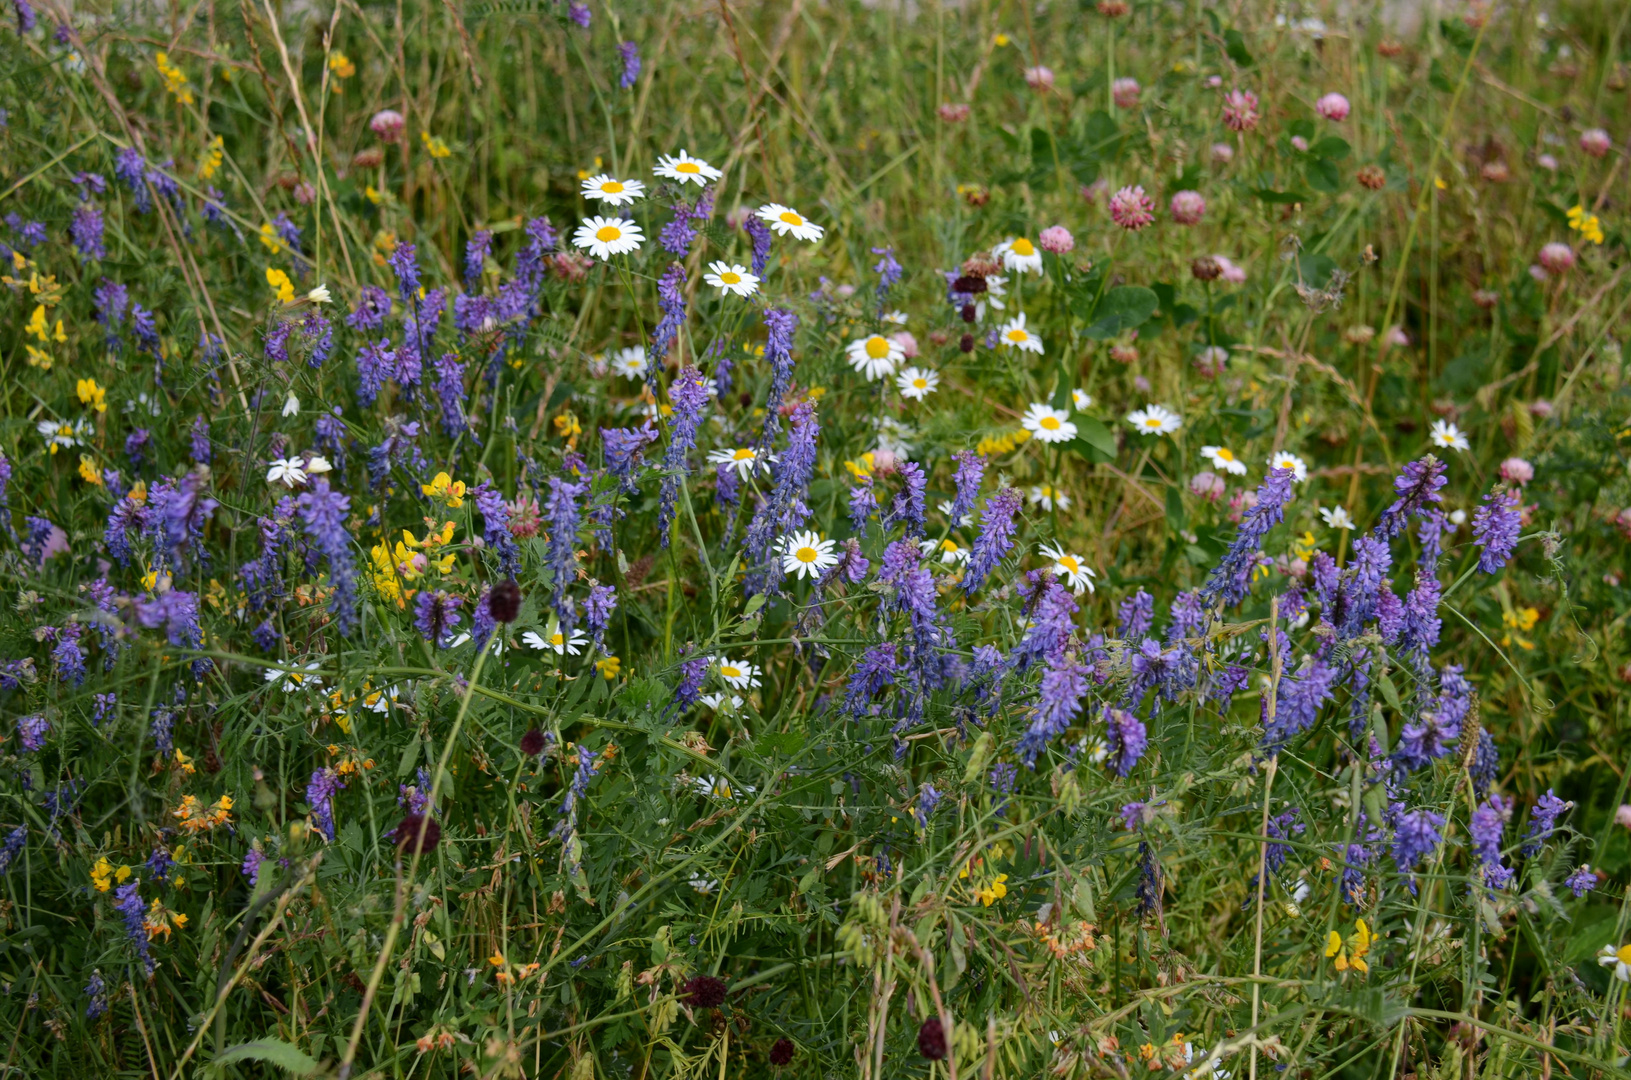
{"x": 1122, "y": 309}
{"x": 290, "y": 1059}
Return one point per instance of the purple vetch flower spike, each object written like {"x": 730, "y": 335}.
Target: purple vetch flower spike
{"x": 622, "y": 447}
{"x": 970, "y": 471}
{"x": 889, "y": 274}
{"x": 85, "y": 232}
{"x": 780, "y": 325}
{"x": 562, "y": 512}
{"x": 1051, "y": 629}
{"x": 927, "y": 799}
{"x": 1135, "y": 616}
{"x": 1495, "y": 529}
{"x": 475, "y": 257}
{"x": 671, "y": 299}
{"x": 629, "y": 53}
{"x": 689, "y": 396}
{"x": 31, "y": 733}
{"x": 1189, "y": 618}
{"x": 1543, "y": 822}
{"x": 26, "y": 19}
{"x": 875, "y": 670}
{"x": 324, "y": 785}
{"x": 495, "y": 514}
{"x": 324, "y": 512}
{"x": 1126, "y": 740}
{"x": 450, "y": 392}
{"x": 1417, "y": 486}
{"x": 597, "y": 611}
{"x": 199, "y": 436}
{"x": 404, "y": 263}
{"x": 862, "y": 505}
{"x": 133, "y": 911}
{"x": 1298, "y": 704}
{"x": 759, "y": 232}
{"x": 251, "y": 866}
{"x": 435, "y": 615}
{"x": 1416, "y": 834}
{"x": 1486, "y": 763}
{"x": 1059, "y": 701}
{"x": 131, "y": 168}
{"x": 1485, "y": 827}
{"x": 373, "y": 308}
{"x": 1231, "y": 577}
{"x": 1582, "y": 881}
{"x": 908, "y": 509}
{"x": 578, "y": 12}
{"x": 693, "y": 674}
{"x": 996, "y": 538}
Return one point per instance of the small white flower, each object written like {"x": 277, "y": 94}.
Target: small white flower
{"x": 320, "y": 295}
{"x": 717, "y": 787}
{"x": 726, "y": 703}
{"x": 291, "y": 405}
{"x": 897, "y": 318}
{"x": 58, "y": 434}
{"x": 1446, "y": 435}
{"x": 917, "y": 383}
{"x": 805, "y": 554}
{"x": 1077, "y": 574}
{"x": 703, "y": 885}
{"x": 740, "y": 674}
{"x": 612, "y": 191}
{"x": 1221, "y": 457}
{"x": 1285, "y": 459}
{"x": 630, "y": 362}
{"x": 295, "y": 678}
{"x": 875, "y": 356}
{"x": 1047, "y": 497}
{"x": 1300, "y": 891}
{"x": 686, "y": 169}
{"x": 745, "y": 458}
{"x": 947, "y": 551}
{"x": 557, "y": 641}
{"x": 1458, "y": 518}
{"x": 964, "y": 522}
{"x": 996, "y": 287}
{"x": 1155, "y": 420}
{"x": 1618, "y": 958}
{"x": 785, "y": 220}
{"x": 1013, "y": 335}
{"x": 1048, "y": 424}
{"x": 1019, "y": 255}
{"x": 1081, "y": 399}
{"x": 317, "y": 464}
{"x": 1336, "y": 517}
{"x": 608, "y": 236}
{"x": 289, "y": 472}
{"x": 731, "y": 278}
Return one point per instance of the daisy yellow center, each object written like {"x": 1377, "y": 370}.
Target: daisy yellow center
{"x": 1016, "y": 334}
{"x": 920, "y": 383}
{"x": 1153, "y": 422}
{"x": 877, "y": 347}
{"x": 557, "y": 639}
{"x": 611, "y": 187}
{"x": 948, "y": 545}
{"x": 744, "y": 454}
{"x": 1024, "y": 247}
{"x": 1623, "y": 954}
{"x": 791, "y": 218}
{"x": 1224, "y": 454}
{"x": 1049, "y": 423}
{"x": 687, "y": 167}
{"x": 607, "y": 233}
{"x": 731, "y": 277}
{"x": 1069, "y": 563}
{"x": 730, "y": 671}
{"x": 806, "y": 554}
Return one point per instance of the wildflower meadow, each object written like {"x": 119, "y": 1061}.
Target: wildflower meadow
{"x": 699, "y": 538}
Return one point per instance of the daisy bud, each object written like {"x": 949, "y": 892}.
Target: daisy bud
{"x": 1595, "y": 141}
{"x": 1056, "y": 239}
{"x": 1557, "y": 258}
{"x": 1188, "y": 207}
{"x": 1333, "y": 107}
{"x": 388, "y": 125}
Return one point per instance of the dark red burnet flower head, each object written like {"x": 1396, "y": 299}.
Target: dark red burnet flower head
{"x": 533, "y": 742}
{"x": 408, "y": 834}
{"x": 504, "y": 602}
{"x": 704, "y": 992}
{"x": 782, "y": 1052}
{"x": 931, "y": 1039}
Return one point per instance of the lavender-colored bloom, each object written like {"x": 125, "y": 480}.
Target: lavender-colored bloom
{"x": 373, "y": 307}
{"x": 1003, "y": 777}
{"x": 329, "y": 431}
{"x": 689, "y": 396}
{"x": 404, "y": 263}
{"x": 31, "y": 732}
{"x": 785, "y": 509}
{"x": 29, "y": 233}
{"x": 103, "y": 706}
{"x": 1415, "y": 834}
{"x": 265, "y": 636}
{"x": 1189, "y": 617}
{"x": 970, "y": 471}
{"x": 1135, "y": 616}
{"x": 376, "y": 362}
{"x": 875, "y": 670}
{"x": 134, "y": 913}
{"x": 1543, "y": 821}
{"x": 482, "y": 623}
{"x": 780, "y": 326}
{"x": 450, "y": 392}
{"x": 1364, "y": 584}
{"x": 629, "y": 53}
{"x": 914, "y": 594}
{"x": 563, "y": 514}
{"x": 277, "y": 342}
{"x": 1231, "y": 577}
{"x": 759, "y": 233}
{"x": 110, "y": 300}
{"x": 693, "y": 675}
{"x": 1420, "y": 625}
{"x": 1486, "y": 763}
{"x": 144, "y": 328}
{"x": 199, "y": 437}
{"x": 578, "y": 12}
{"x": 97, "y": 991}
{"x": 862, "y": 504}
{"x": 1282, "y": 827}
{"x": 130, "y": 167}
{"x": 927, "y": 799}
{"x": 324, "y": 512}
{"x": 69, "y": 657}
{"x": 251, "y": 867}
{"x": 1126, "y": 740}
{"x": 287, "y": 231}
{"x": 908, "y": 509}
{"x": 320, "y": 792}
{"x": 11, "y": 847}
{"x": 597, "y": 611}
{"x": 1417, "y": 486}
{"x": 319, "y": 335}
{"x": 36, "y": 539}
{"x": 1485, "y": 827}
{"x": 1059, "y": 700}
{"x": 671, "y": 299}
{"x": 435, "y": 615}
{"x": 89, "y": 184}
{"x": 214, "y": 208}
{"x": 996, "y": 538}
{"x": 475, "y": 257}
{"x": 495, "y": 513}
{"x": 159, "y": 863}
{"x": 679, "y": 234}
{"x": 1151, "y": 884}
{"x": 1495, "y": 528}
{"x": 1051, "y": 627}
{"x": 1298, "y": 704}
{"x": 1431, "y": 527}
{"x": 889, "y": 274}
{"x": 85, "y": 232}
{"x": 1581, "y": 882}
{"x": 26, "y": 19}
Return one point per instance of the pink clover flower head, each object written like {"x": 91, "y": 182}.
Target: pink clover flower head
{"x": 1132, "y": 209}
{"x": 1056, "y": 239}
{"x": 1188, "y": 207}
{"x": 1557, "y": 258}
{"x": 1595, "y": 141}
{"x": 1333, "y": 107}
{"x": 1240, "y": 110}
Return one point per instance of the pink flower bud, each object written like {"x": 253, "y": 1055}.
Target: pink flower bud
{"x": 1557, "y": 258}
{"x": 1188, "y": 207}
{"x": 387, "y": 124}
{"x": 907, "y": 342}
{"x": 1240, "y": 110}
{"x": 1039, "y": 78}
{"x": 1299, "y": 143}
{"x": 1622, "y": 816}
{"x": 1207, "y": 485}
{"x": 1595, "y": 141}
{"x": 1547, "y": 162}
{"x": 1333, "y": 107}
{"x": 1515, "y": 470}
{"x": 1056, "y": 239}
{"x": 954, "y": 114}
{"x": 1222, "y": 153}
{"x": 1124, "y": 92}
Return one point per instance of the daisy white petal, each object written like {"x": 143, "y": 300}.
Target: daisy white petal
{"x": 1155, "y": 420}
{"x": 805, "y": 554}
{"x": 1223, "y": 458}
{"x": 731, "y": 278}
{"x": 1048, "y": 424}
{"x": 1014, "y": 335}
{"x": 686, "y": 169}
{"x": 1019, "y": 255}
{"x": 612, "y": 191}
{"x": 787, "y": 221}
{"x": 917, "y": 383}
{"x": 604, "y": 237}
{"x": 875, "y": 356}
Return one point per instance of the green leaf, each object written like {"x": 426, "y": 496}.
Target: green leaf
{"x": 1269, "y": 195}
{"x": 1438, "y": 79}
{"x": 1323, "y": 175}
{"x": 755, "y": 602}
{"x": 1235, "y": 45}
{"x": 1390, "y": 692}
{"x": 1122, "y": 309}
{"x": 410, "y": 755}
{"x": 1331, "y": 148}
{"x": 276, "y": 1052}
{"x": 1095, "y": 434}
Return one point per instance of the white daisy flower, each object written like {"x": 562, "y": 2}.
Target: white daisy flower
{"x": 738, "y": 673}
{"x": 380, "y": 700}
{"x": 1019, "y": 255}
{"x": 1155, "y": 420}
{"x": 896, "y": 318}
{"x": 731, "y": 278}
{"x": 1047, "y": 497}
{"x": 686, "y": 169}
{"x": 946, "y": 551}
{"x": 1077, "y": 574}
{"x": 612, "y": 191}
{"x": 917, "y": 383}
{"x": 630, "y": 362}
{"x": 1446, "y": 435}
{"x": 608, "y": 236}
{"x": 1048, "y": 424}
{"x": 58, "y": 434}
{"x": 806, "y": 554}
{"x": 727, "y": 703}
{"x": 945, "y": 507}
{"x": 290, "y": 472}
{"x": 1285, "y": 459}
{"x": 1013, "y": 335}
{"x": 1617, "y": 958}
{"x": 717, "y": 787}
{"x": 785, "y": 220}
{"x": 558, "y": 641}
{"x": 291, "y": 405}
{"x": 1336, "y": 517}
{"x": 295, "y": 678}
{"x": 1224, "y": 459}
{"x": 744, "y": 458}
{"x": 1081, "y": 399}
{"x": 875, "y": 356}
{"x": 496, "y": 648}
{"x": 1094, "y": 749}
